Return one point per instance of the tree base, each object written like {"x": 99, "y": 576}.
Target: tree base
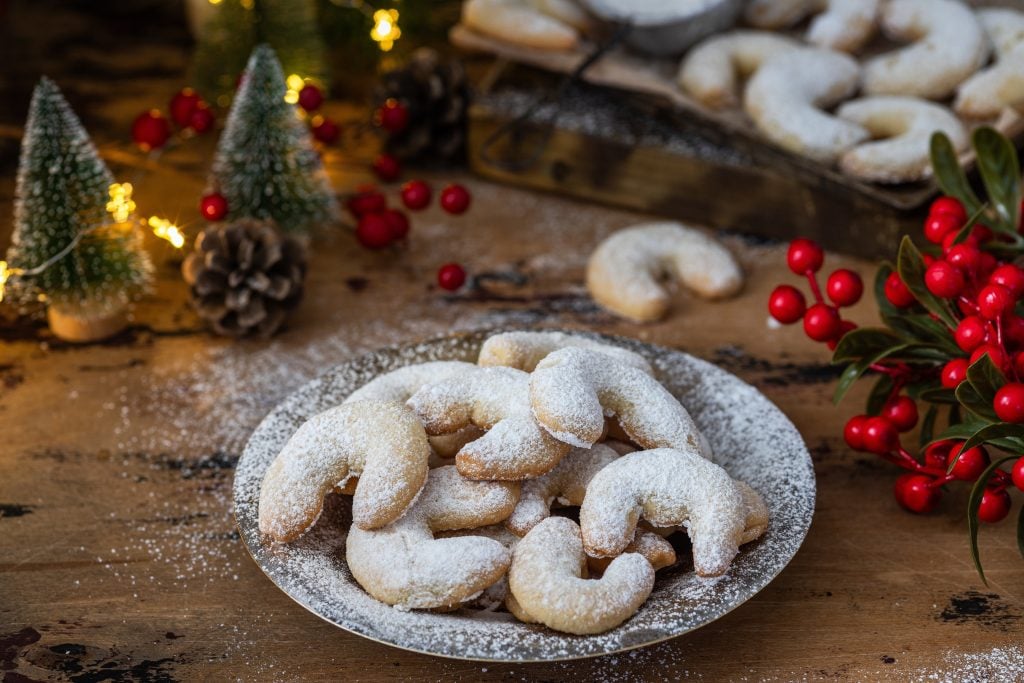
{"x": 79, "y": 327}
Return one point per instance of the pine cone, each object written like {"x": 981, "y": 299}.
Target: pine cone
{"x": 246, "y": 277}
{"x": 436, "y": 93}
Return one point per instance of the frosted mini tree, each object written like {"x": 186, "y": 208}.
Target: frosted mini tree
{"x": 266, "y": 166}
{"x": 88, "y": 267}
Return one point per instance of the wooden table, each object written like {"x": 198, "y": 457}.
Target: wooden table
{"x": 119, "y": 558}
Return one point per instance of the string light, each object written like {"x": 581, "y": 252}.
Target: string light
{"x": 166, "y": 230}
{"x": 5, "y": 274}
{"x": 121, "y": 205}
{"x": 295, "y": 83}
{"x": 385, "y": 29}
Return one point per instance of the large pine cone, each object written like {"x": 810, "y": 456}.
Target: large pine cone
{"x": 246, "y": 277}
{"x": 436, "y": 93}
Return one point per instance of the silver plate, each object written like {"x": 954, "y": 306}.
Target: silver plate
{"x": 751, "y": 438}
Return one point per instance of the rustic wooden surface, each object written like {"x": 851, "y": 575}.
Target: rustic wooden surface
{"x": 118, "y": 554}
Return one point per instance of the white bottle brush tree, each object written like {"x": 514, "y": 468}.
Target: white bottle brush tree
{"x": 266, "y": 166}
{"x": 67, "y": 249}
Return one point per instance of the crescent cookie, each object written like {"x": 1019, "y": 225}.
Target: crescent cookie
{"x": 523, "y": 350}
{"x": 711, "y": 70}
{"x": 381, "y": 443}
{"x": 948, "y": 46}
{"x": 755, "y": 513}
{"x": 566, "y": 11}
{"x": 654, "y": 548}
{"x": 786, "y": 96}
{"x": 985, "y": 94}
{"x": 496, "y": 400}
{"x": 403, "y": 564}
{"x": 902, "y": 128}
{"x": 627, "y": 271}
{"x": 567, "y": 483}
{"x": 572, "y": 391}
{"x": 844, "y": 25}
{"x": 520, "y": 24}
{"x": 666, "y": 487}
{"x": 547, "y": 585}
{"x": 495, "y": 595}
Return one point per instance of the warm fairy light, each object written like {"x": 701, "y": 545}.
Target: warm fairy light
{"x": 385, "y": 28}
{"x": 215, "y": 2}
{"x": 295, "y": 83}
{"x": 166, "y": 230}
{"x": 248, "y": 4}
{"x": 5, "y": 273}
{"x": 121, "y": 205}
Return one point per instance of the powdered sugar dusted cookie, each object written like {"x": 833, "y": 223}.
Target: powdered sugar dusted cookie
{"x": 627, "y": 271}
{"x": 523, "y": 350}
{"x": 755, "y": 513}
{"x": 381, "y": 443}
{"x": 546, "y": 581}
{"x": 567, "y": 483}
{"x": 985, "y": 94}
{"x": 516, "y": 22}
{"x": 948, "y": 45}
{"x": 843, "y": 25}
{"x": 786, "y": 96}
{"x": 498, "y": 401}
{"x": 566, "y": 11}
{"x": 495, "y": 595}
{"x": 666, "y": 487}
{"x": 902, "y": 128}
{"x": 711, "y": 70}
{"x": 403, "y": 564}
{"x": 653, "y": 547}
{"x": 572, "y": 391}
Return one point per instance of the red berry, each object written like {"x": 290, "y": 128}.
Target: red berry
{"x": 182, "y": 105}
{"x": 951, "y": 206}
{"x": 1018, "y": 363}
{"x": 853, "y": 432}
{"x": 937, "y": 226}
{"x": 151, "y": 130}
{"x": 954, "y": 372}
{"x": 392, "y": 116}
{"x": 902, "y": 412}
{"x": 994, "y": 300}
{"x": 821, "y": 323}
{"x": 387, "y": 168}
{"x": 366, "y": 200}
{"x": 880, "y": 436}
{"x": 944, "y": 280}
{"x": 987, "y": 263}
{"x": 202, "y": 118}
{"x": 374, "y": 231}
{"x": 1009, "y": 402}
{"x": 964, "y": 256}
{"x": 1013, "y": 329}
{"x": 787, "y": 304}
{"x": 994, "y": 353}
{"x": 398, "y": 222}
{"x": 937, "y": 454}
{"x": 213, "y": 206}
{"x": 914, "y": 492}
{"x": 844, "y": 287}
{"x": 804, "y": 256}
{"x": 971, "y": 333}
{"x": 455, "y": 199}
{"x": 451, "y": 276}
{"x": 897, "y": 292}
{"x": 1009, "y": 276}
{"x": 325, "y": 130}
{"x": 969, "y": 464}
{"x": 416, "y": 194}
{"x": 995, "y": 505}
{"x": 1018, "y": 473}
{"x": 310, "y": 97}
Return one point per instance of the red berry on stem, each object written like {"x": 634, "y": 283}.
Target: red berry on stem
{"x": 451, "y": 276}
{"x": 844, "y": 287}
{"x": 416, "y": 194}
{"x": 902, "y": 412}
{"x": 951, "y": 206}
{"x": 969, "y": 464}
{"x": 1017, "y": 473}
{"x": 787, "y": 304}
{"x": 374, "y": 231}
{"x": 994, "y": 300}
{"x": 897, "y": 292}
{"x": 995, "y": 505}
{"x": 182, "y": 105}
{"x": 398, "y": 222}
{"x": 937, "y": 454}
{"x": 804, "y": 256}
{"x": 325, "y": 130}
{"x": 853, "y": 432}
{"x": 151, "y": 130}
{"x": 1013, "y": 329}
{"x": 963, "y": 256}
{"x": 937, "y": 226}
{"x": 944, "y": 280}
{"x": 366, "y": 200}
{"x": 880, "y": 436}
{"x": 387, "y": 168}
{"x": 914, "y": 492}
{"x": 970, "y": 333}
{"x": 1009, "y": 276}
{"x": 310, "y": 97}
{"x": 954, "y": 372}
{"x": 202, "y": 118}
{"x": 994, "y": 353}
{"x": 455, "y": 199}
{"x": 821, "y": 323}
{"x": 392, "y": 116}
{"x": 213, "y": 206}
{"x": 1009, "y": 402}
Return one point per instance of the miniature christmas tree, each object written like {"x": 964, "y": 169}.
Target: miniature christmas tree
{"x": 266, "y": 166}
{"x": 69, "y": 249}
{"x": 235, "y": 27}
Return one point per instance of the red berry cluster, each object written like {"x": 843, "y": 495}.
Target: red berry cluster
{"x": 324, "y": 129}
{"x": 189, "y": 112}
{"x": 822, "y": 321}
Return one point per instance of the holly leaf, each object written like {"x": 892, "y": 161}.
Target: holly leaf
{"x": 910, "y": 265}
{"x": 924, "y": 328}
{"x": 986, "y": 378}
{"x": 928, "y": 425}
{"x": 879, "y": 395}
{"x": 968, "y": 397}
{"x": 1001, "y": 432}
{"x": 972, "y": 511}
{"x": 863, "y": 341}
{"x": 854, "y": 371}
{"x": 937, "y": 395}
{"x": 968, "y": 226}
{"x": 1000, "y": 172}
{"x": 885, "y": 307}
{"x": 949, "y": 174}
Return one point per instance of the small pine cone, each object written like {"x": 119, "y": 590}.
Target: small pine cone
{"x": 245, "y": 276}
{"x": 436, "y": 93}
